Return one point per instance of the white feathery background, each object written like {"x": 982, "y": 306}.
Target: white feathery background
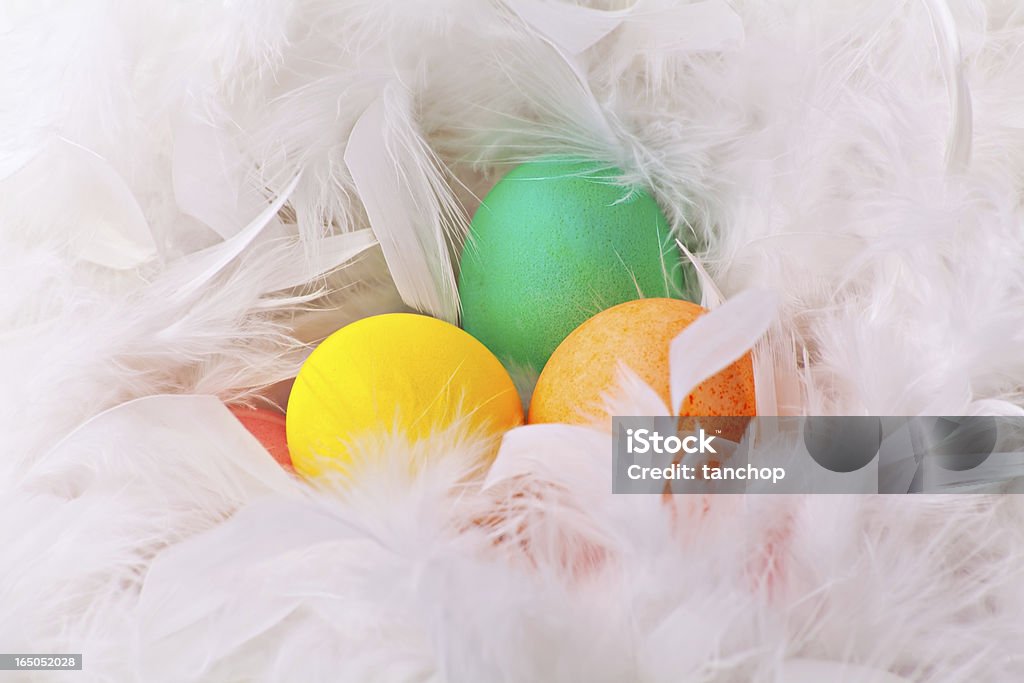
{"x": 193, "y": 193}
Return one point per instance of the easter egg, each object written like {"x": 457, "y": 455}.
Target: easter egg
{"x": 636, "y": 333}
{"x": 268, "y": 427}
{"x": 553, "y": 243}
{"x": 395, "y": 372}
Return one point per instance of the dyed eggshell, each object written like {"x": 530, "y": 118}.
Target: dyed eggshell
{"x": 398, "y": 371}
{"x": 268, "y": 427}
{"x": 553, "y": 243}
{"x": 638, "y": 334}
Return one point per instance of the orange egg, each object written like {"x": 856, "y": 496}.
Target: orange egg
{"x": 268, "y": 427}
{"x": 638, "y": 334}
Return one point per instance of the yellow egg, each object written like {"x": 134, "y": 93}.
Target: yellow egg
{"x": 395, "y": 372}
{"x": 584, "y": 367}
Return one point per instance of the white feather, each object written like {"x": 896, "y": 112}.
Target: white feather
{"x": 198, "y": 269}
{"x": 519, "y": 456}
{"x": 717, "y": 339}
{"x": 633, "y": 396}
{"x": 412, "y": 212}
{"x": 296, "y": 269}
{"x": 711, "y": 296}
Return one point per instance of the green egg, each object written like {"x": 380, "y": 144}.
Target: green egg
{"x": 555, "y": 242}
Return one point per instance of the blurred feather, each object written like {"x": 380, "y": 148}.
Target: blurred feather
{"x": 208, "y": 172}
{"x": 183, "y": 425}
{"x": 213, "y": 582}
{"x": 664, "y": 28}
{"x": 947, "y": 40}
{"x": 654, "y": 26}
{"x": 69, "y": 186}
{"x": 815, "y": 670}
{"x": 573, "y": 28}
{"x": 190, "y": 463}
{"x": 771, "y": 358}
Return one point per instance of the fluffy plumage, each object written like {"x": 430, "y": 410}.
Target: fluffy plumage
{"x": 177, "y": 217}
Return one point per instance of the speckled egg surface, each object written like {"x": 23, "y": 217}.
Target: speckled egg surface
{"x": 638, "y": 334}
{"x": 552, "y": 244}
